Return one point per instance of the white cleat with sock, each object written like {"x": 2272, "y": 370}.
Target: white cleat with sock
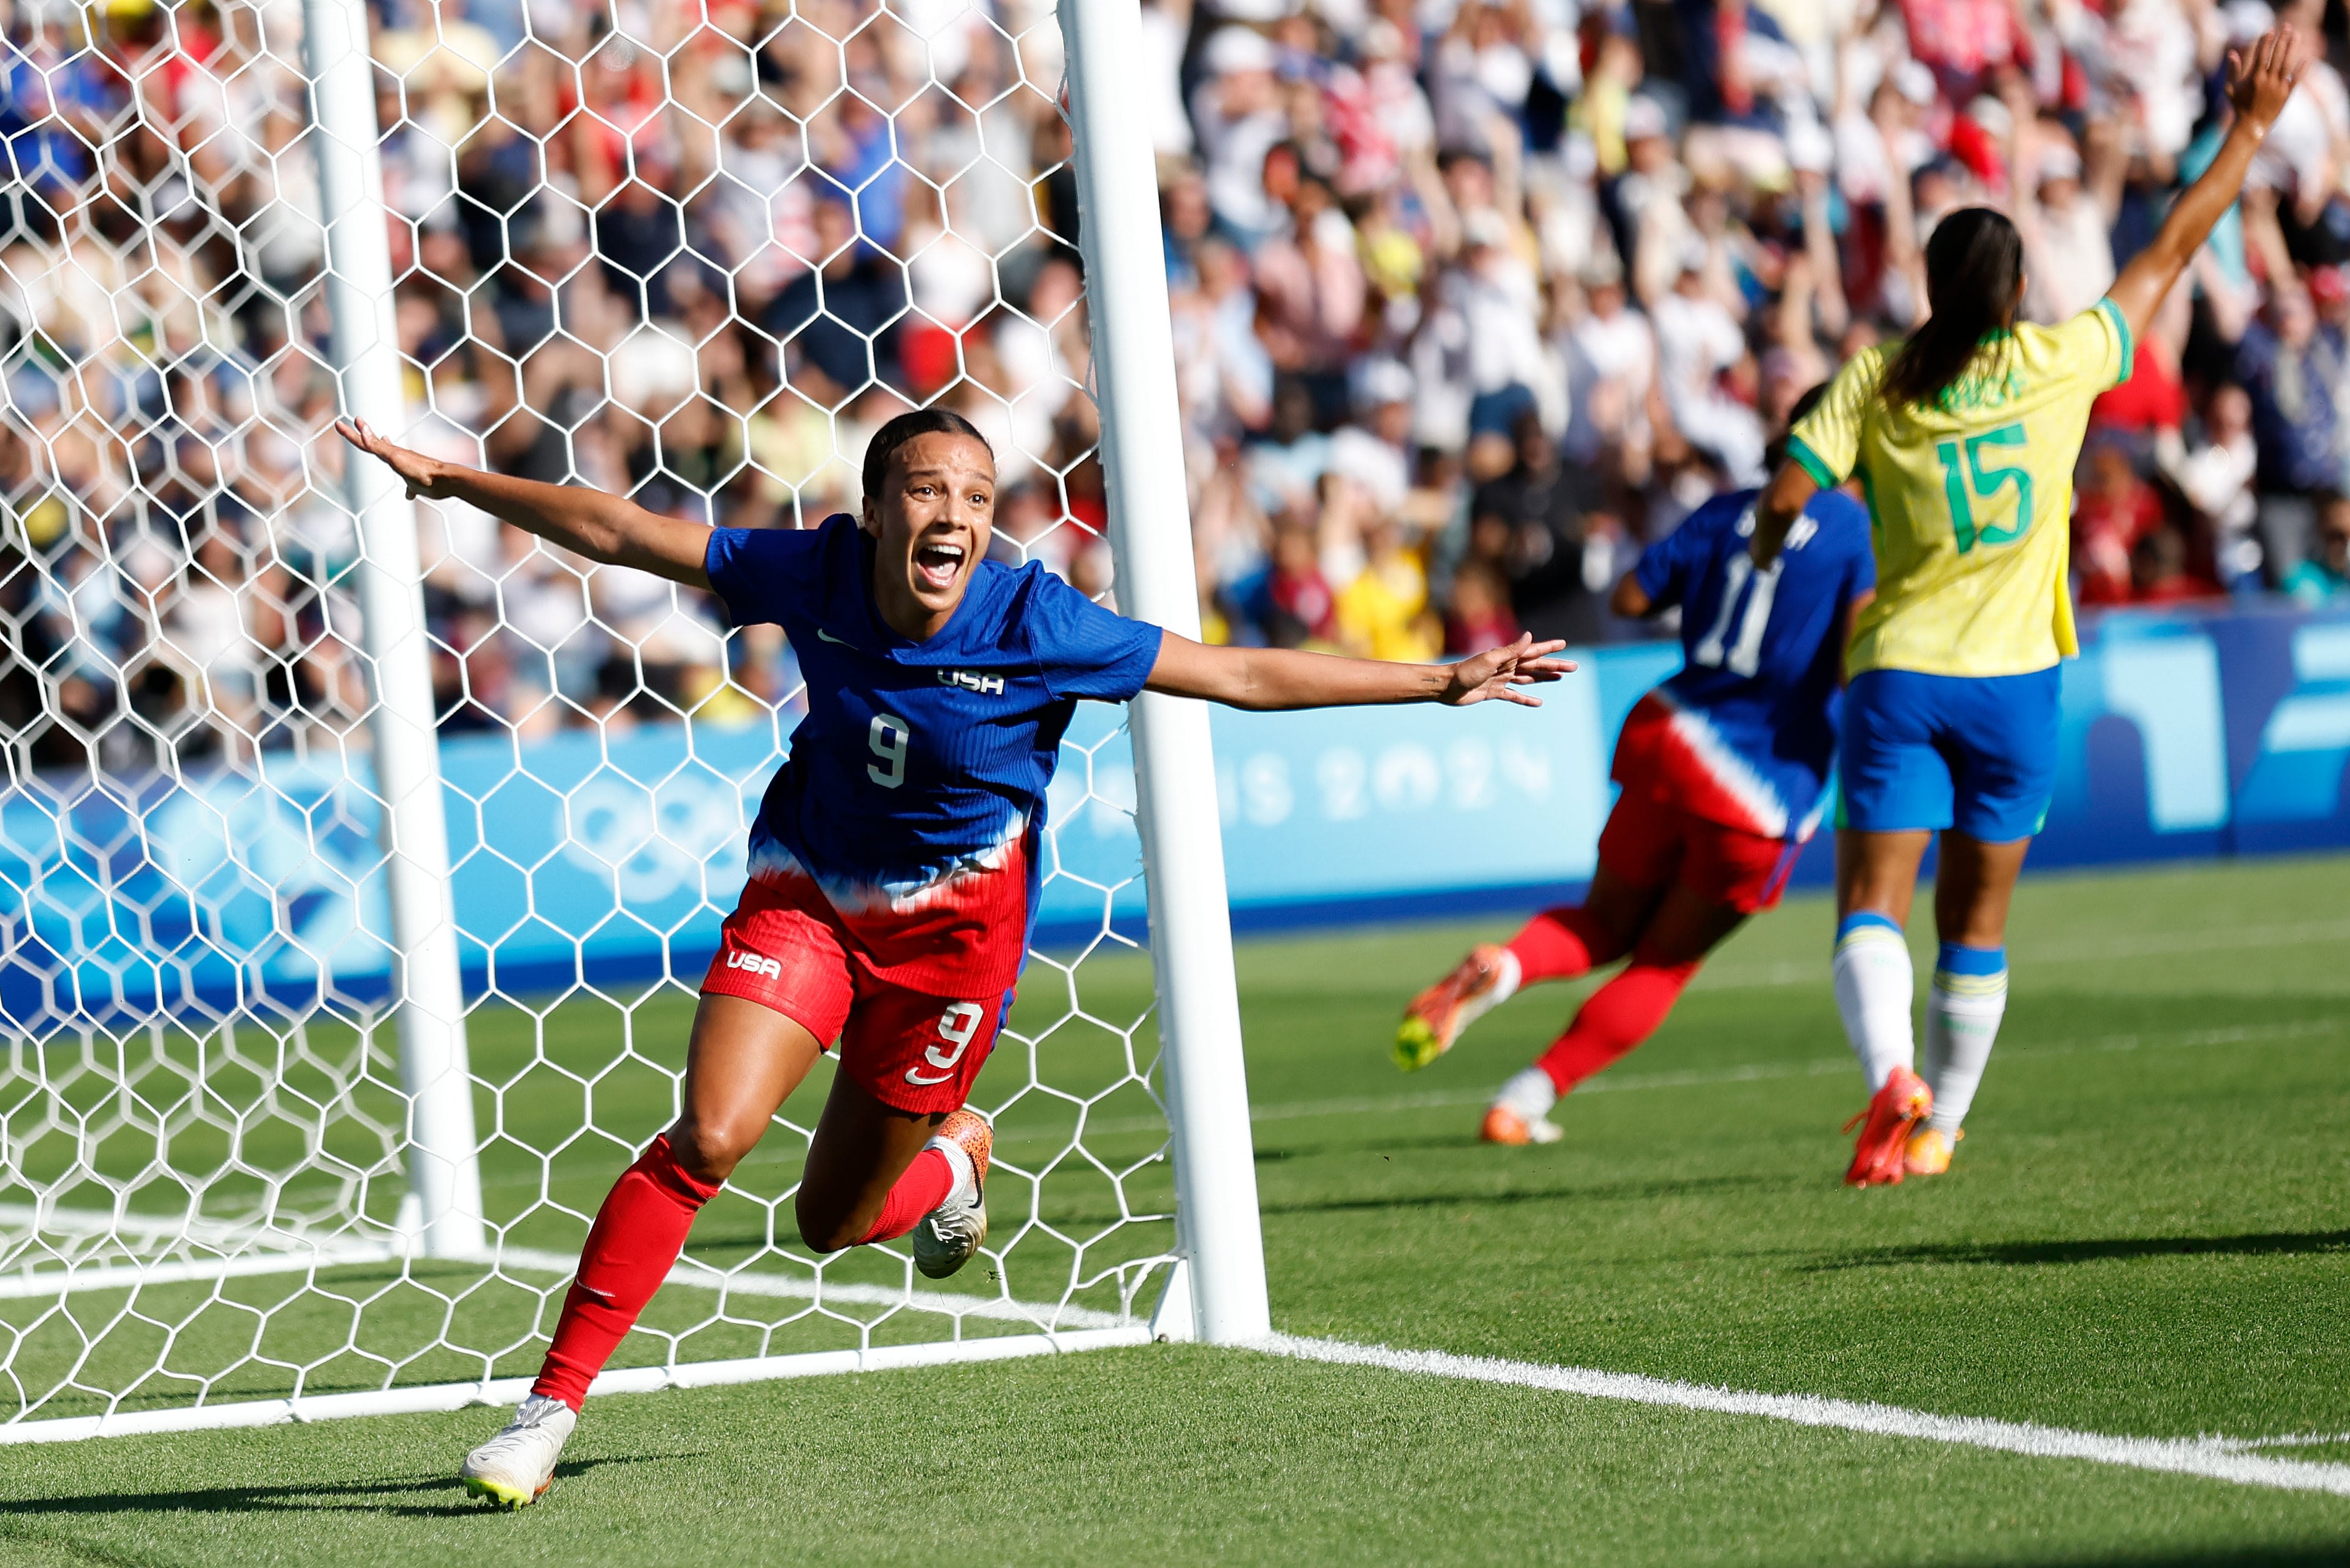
{"x": 946, "y": 1237}
{"x": 1519, "y": 1114}
{"x": 514, "y": 1468}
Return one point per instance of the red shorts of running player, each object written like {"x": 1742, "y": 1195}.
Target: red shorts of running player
{"x": 785, "y": 948}
{"x": 1653, "y": 839}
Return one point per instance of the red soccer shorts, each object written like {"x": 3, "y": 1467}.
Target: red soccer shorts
{"x": 1652, "y": 840}
{"x": 785, "y": 948}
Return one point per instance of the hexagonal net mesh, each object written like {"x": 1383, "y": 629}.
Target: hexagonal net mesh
{"x": 690, "y": 254}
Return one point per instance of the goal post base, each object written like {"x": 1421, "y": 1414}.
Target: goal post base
{"x": 1173, "y": 1321}
{"x": 504, "y": 1391}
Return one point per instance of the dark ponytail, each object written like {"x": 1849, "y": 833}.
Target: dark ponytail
{"x": 1974, "y": 266}
{"x": 905, "y": 427}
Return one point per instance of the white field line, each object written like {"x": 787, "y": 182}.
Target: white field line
{"x": 1820, "y": 1067}
{"x": 2150, "y": 944}
{"x": 2226, "y": 1459}
{"x": 2298, "y": 1440}
{"x": 254, "y": 1251}
{"x": 35, "y": 1283}
{"x": 2215, "y": 1458}
{"x": 505, "y": 1391}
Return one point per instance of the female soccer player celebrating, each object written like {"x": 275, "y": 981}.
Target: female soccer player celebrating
{"x": 1965, "y": 439}
{"x": 894, "y": 864}
{"x": 1724, "y": 771}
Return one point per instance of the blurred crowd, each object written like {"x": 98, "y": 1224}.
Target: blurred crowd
{"x": 1471, "y": 301}
{"x": 1476, "y": 300}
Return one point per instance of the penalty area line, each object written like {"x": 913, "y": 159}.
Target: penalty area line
{"x": 2212, "y": 1458}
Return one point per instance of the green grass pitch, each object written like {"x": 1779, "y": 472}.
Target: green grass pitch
{"x": 2145, "y": 1233}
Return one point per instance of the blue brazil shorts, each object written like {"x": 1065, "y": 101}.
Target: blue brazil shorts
{"x": 1976, "y": 753}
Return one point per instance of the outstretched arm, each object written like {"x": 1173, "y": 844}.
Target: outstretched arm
{"x": 1266, "y": 679}
{"x": 601, "y": 527}
{"x": 2258, "y": 86}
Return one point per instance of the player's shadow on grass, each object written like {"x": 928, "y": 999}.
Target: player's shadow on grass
{"x": 2332, "y": 1555}
{"x": 446, "y": 1494}
{"x": 2270, "y": 1243}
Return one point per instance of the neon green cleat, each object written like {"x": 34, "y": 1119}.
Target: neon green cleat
{"x": 1485, "y": 978}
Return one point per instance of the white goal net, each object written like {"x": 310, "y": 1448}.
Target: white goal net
{"x": 692, "y": 253}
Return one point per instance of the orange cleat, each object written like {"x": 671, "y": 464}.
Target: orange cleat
{"x": 1505, "y": 1126}
{"x": 1488, "y": 976}
{"x": 1877, "y": 1154}
{"x": 1929, "y": 1152}
{"x": 1519, "y": 1114}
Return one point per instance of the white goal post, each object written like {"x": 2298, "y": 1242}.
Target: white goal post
{"x": 1150, "y": 528}
{"x": 327, "y": 1030}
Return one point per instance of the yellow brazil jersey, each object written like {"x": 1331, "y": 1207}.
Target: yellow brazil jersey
{"x": 1971, "y": 499}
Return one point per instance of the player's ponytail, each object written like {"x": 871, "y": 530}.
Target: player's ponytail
{"x": 1974, "y": 276}
{"x": 905, "y": 427}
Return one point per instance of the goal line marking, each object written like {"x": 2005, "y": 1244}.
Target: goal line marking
{"x": 2214, "y": 1459}
{"x": 2235, "y": 1461}
{"x": 243, "y": 1250}
{"x": 502, "y": 1391}
{"x": 1817, "y": 1067}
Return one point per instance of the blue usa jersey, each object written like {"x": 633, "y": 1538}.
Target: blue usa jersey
{"x": 1756, "y": 703}
{"x": 914, "y": 792}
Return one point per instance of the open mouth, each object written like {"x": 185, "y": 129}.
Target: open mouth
{"x": 936, "y": 563}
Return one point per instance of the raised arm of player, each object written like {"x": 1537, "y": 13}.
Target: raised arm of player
{"x": 1266, "y": 679}
{"x": 601, "y": 527}
{"x": 2257, "y": 85}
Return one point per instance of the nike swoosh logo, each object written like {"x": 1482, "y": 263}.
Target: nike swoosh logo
{"x": 914, "y": 1075}
{"x": 824, "y": 636}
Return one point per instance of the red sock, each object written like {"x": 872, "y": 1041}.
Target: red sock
{"x": 1559, "y": 944}
{"x": 636, "y": 1239}
{"x": 1614, "y": 1019}
{"x": 923, "y": 1187}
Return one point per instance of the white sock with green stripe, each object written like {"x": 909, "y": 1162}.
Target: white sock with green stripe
{"x": 1962, "y": 1013}
{"x": 1874, "y": 990}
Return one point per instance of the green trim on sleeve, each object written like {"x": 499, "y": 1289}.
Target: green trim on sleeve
{"x": 2120, "y": 324}
{"x": 1828, "y": 478}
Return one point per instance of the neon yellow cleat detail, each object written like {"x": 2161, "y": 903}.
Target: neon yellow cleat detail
{"x": 1487, "y": 977}
{"x": 514, "y": 1468}
{"x": 498, "y": 1494}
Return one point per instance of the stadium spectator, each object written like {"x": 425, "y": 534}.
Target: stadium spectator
{"x": 1528, "y": 522}
{"x": 2215, "y": 477}
{"x": 2115, "y": 511}
{"x": 2290, "y": 366}
{"x": 2325, "y": 577}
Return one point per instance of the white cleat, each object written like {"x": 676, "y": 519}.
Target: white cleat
{"x": 514, "y": 1468}
{"x": 1519, "y": 1114}
{"x": 948, "y": 1235}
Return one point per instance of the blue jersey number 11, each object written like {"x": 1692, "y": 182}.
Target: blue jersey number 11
{"x": 1978, "y": 483}
{"x": 1743, "y": 652}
